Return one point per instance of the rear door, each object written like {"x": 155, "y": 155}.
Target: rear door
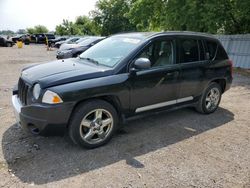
{"x": 192, "y": 63}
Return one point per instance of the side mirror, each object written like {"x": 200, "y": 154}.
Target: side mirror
{"x": 142, "y": 63}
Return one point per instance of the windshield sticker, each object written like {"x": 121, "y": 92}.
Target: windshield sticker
{"x": 130, "y": 40}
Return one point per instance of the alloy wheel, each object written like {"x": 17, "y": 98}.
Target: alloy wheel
{"x": 212, "y": 99}
{"x": 96, "y": 126}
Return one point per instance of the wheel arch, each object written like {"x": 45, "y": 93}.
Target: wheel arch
{"x": 111, "y": 99}
{"x": 221, "y": 82}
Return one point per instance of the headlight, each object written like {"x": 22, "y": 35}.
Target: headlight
{"x": 36, "y": 91}
{"x": 51, "y": 97}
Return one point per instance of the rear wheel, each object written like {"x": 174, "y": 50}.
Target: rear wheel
{"x": 93, "y": 124}
{"x": 210, "y": 99}
{"x": 8, "y": 44}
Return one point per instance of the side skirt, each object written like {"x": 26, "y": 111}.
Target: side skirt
{"x": 157, "y": 111}
{"x": 163, "y": 104}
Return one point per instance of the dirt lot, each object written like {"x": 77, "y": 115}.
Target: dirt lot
{"x": 173, "y": 149}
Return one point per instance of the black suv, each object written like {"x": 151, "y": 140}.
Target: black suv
{"x": 41, "y": 37}
{"x": 25, "y": 38}
{"x": 122, "y": 76}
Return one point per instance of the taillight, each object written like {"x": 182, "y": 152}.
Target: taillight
{"x": 231, "y": 67}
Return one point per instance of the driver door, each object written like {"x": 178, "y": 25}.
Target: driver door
{"x": 159, "y": 85}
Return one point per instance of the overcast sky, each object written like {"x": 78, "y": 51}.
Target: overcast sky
{"x": 20, "y": 14}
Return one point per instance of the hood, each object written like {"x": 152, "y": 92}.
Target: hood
{"x": 68, "y": 46}
{"x": 63, "y": 71}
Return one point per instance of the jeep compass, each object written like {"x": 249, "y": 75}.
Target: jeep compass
{"x": 122, "y": 76}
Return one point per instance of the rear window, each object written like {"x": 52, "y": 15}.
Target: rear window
{"x": 189, "y": 50}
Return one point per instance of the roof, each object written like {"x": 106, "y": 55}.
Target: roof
{"x": 146, "y": 35}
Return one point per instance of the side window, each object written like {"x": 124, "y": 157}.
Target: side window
{"x": 189, "y": 50}
{"x": 211, "y": 49}
{"x": 160, "y": 53}
{"x": 221, "y": 54}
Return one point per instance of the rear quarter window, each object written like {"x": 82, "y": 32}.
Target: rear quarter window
{"x": 221, "y": 53}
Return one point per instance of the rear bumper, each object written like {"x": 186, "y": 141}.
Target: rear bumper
{"x": 42, "y": 119}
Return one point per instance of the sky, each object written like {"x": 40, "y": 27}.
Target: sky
{"x": 21, "y": 14}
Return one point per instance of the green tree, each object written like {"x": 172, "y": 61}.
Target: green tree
{"x": 86, "y": 26}
{"x": 31, "y": 30}
{"x": 213, "y": 16}
{"x": 239, "y": 16}
{"x": 37, "y": 29}
{"x": 110, "y": 16}
{"x": 67, "y": 28}
{"x": 147, "y": 15}
{"x": 41, "y": 29}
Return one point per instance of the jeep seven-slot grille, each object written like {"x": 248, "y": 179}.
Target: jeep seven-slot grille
{"x": 22, "y": 91}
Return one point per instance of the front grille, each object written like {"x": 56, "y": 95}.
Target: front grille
{"x": 22, "y": 91}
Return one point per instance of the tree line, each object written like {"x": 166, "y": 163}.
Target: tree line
{"x": 114, "y": 16}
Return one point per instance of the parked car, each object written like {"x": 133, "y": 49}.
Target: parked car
{"x": 79, "y": 48}
{"x": 25, "y": 38}
{"x": 5, "y": 42}
{"x": 66, "y": 46}
{"x": 41, "y": 37}
{"x": 120, "y": 77}
{"x": 58, "y": 39}
{"x": 68, "y": 41}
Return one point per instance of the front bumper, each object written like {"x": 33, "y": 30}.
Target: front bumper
{"x": 42, "y": 119}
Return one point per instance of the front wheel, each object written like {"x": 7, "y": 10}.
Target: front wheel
{"x": 93, "y": 124}
{"x": 210, "y": 99}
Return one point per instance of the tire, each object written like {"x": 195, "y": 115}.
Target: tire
{"x": 8, "y": 44}
{"x": 93, "y": 123}
{"x": 211, "y": 95}
{"x": 26, "y": 42}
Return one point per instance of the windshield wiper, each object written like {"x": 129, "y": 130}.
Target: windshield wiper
{"x": 90, "y": 60}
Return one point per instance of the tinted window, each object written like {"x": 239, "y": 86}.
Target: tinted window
{"x": 189, "y": 50}
{"x": 221, "y": 54}
{"x": 160, "y": 53}
{"x": 211, "y": 49}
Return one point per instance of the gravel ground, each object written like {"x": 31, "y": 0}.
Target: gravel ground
{"x": 171, "y": 149}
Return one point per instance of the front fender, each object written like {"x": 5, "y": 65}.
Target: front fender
{"x": 113, "y": 85}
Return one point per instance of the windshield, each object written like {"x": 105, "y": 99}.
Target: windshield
{"x": 71, "y": 40}
{"x": 81, "y": 39}
{"x": 111, "y": 51}
{"x": 87, "y": 41}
